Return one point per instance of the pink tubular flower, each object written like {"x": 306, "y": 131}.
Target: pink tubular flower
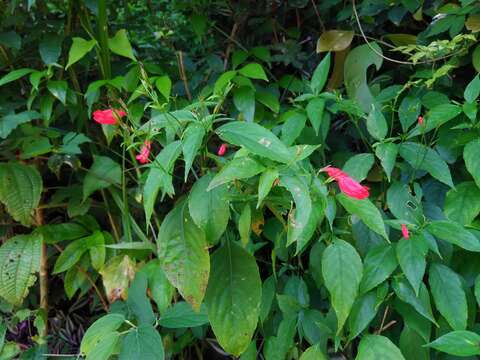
{"x": 347, "y": 185}
{"x": 144, "y": 152}
{"x": 108, "y": 116}
{"x": 420, "y": 120}
{"x": 405, "y": 232}
{"x": 222, "y": 149}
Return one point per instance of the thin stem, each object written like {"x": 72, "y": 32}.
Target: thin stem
{"x": 43, "y": 274}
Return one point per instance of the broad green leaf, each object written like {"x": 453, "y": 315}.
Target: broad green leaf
{"x": 470, "y": 155}
{"x": 160, "y": 288}
{"x": 164, "y": 85}
{"x": 366, "y": 211}
{"x": 363, "y": 312}
{"x": 379, "y": 263}
{"x": 412, "y": 345}
{"x": 269, "y": 100}
{"x": 19, "y": 261}
{"x": 233, "y": 297}
{"x": 265, "y": 183}
{"x": 20, "y": 191}
{"x": 342, "y": 271}
{"x": 477, "y": 289}
{"x": 117, "y": 274}
{"x": 182, "y": 315}
{"x": 315, "y": 109}
{"x": 414, "y": 320}
{"x": 472, "y": 90}
{"x": 103, "y": 173}
{"x": 458, "y": 343}
{"x": 80, "y": 47}
{"x": 355, "y": 73}
{"x": 411, "y": 254}
{"x": 294, "y": 124}
{"x": 144, "y": 342}
{"x": 424, "y": 158}
{"x": 183, "y": 251}
{"x": 99, "y": 329}
{"x": 58, "y": 88}
{"x": 359, "y": 165}
{"x": 462, "y": 204}
{"x": 138, "y": 303}
{"x": 277, "y": 347}
{"x": 376, "y": 124}
{"x": 191, "y": 143}
{"x": 375, "y": 347}
{"x": 120, "y": 45}
{"x": 436, "y": 117}
{"x": 9, "y": 122}
{"x": 104, "y": 348}
{"x": 245, "y": 224}
{"x": 244, "y": 101}
{"x": 223, "y": 81}
{"x": 268, "y": 294}
{"x": 408, "y": 111}
{"x": 239, "y": 168}
{"x": 319, "y": 77}
{"x": 14, "y": 75}
{"x": 159, "y": 177}
{"x": 449, "y": 296}
{"x": 50, "y": 48}
{"x": 210, "y": 210}
{"x": 334, "y": 40}
{"x": 403, "y": 205}
{"x": 256, "y": 139}
{"x": 253, "y": 71}
{"x": 420, "y": 302}
{"x": 454, "y": 233}
{"x": 313, "y": 353}
{"x": 387, "y": 153}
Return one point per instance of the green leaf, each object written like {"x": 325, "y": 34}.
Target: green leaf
{"x": 470, "y": 155}
{"x": 160, "y": 288}
{"x": 19, "y": 261}
{"x": 411, "y": 254}
{"x": 20, "y": 191}
{"x": 253, "y": 71}
{"x": 74, "y": 251}
{"x": 164, "y": 85}
{"x": 120, "y": 45}
{"x": 359, "y": 165}
{"x": 99, "y": 329}
{"x": 342, "y": 271}
{"x": 454, "y": 233}
{"x": 54, "y": 233}
{"x": 58, "y": 88}
{"x": 277, "y": 347}
{"x": 376, "y": 124}
{"x": 294, "y": 123}
{"x": 9, "y": 122}
{"x": 462, "y": 204}
{"x": 269, "y": 100}
{"x": 355, "y": 73}
{"x": 408, "y": 111}
{"x": 387, "y": 153}
{"x": 50, "y": 48}
{"x": 191, "y": 143}
{"x": 244, "y": 101}
{"x": 448, "y": 295}
{"x": 379, "y": 263}
{"x": 80, "y": 47}
{"x": 159, "y": 177}
{"x": 403, "y": 205}
{"x": 424, "y": 158}
{"x": 458, "y": 343}
{"x": 144, "y": 342}
{"x": 105, "y": 348}
{"x": 366, "y": 211}
{"x": 182, "y": 315}
{"x": 233, "y": 297}
{"x": 14, "y": 75}
{"x": 210, "y": 210}
{"x": 363, "y": 312}
{"x": 183, "y": 251}
{"x": 265, "y": 184}
{"x": 374, "y": 347}
{"x": 103, "y": 173}
{"x": 315, "y": 109}
{"x": 268, "y": 294}
{"x": 239, "y": 168}
{"x": 256, "y": 139}
{"x": 412, "y": 345}
{"x": 223, "y": 81}
{"x": 313, "y": 353}
{"x": 436, "y": 117}
{"x": 472, "y": 90}
{"x": 319, "y": 77}
{"x": 334, "y": 40}
{"x": 420, "y": 302}
{"x": 245, "y": 224}
{"x": 137, "y": 301}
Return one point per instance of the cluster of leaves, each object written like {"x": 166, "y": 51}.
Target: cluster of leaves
{"x": 209, "y": 206}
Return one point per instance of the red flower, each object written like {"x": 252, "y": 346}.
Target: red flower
{"x": 405, "y": 232}
{"x": 108, "y": 117}
{"x": 144, "y": 152}
{"x": 222, "y": 150}
{"x": 420, "y": 120}
{"x": 347, "y": 185}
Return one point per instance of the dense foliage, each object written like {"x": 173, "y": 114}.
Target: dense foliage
{"x": 256, "y": 179}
